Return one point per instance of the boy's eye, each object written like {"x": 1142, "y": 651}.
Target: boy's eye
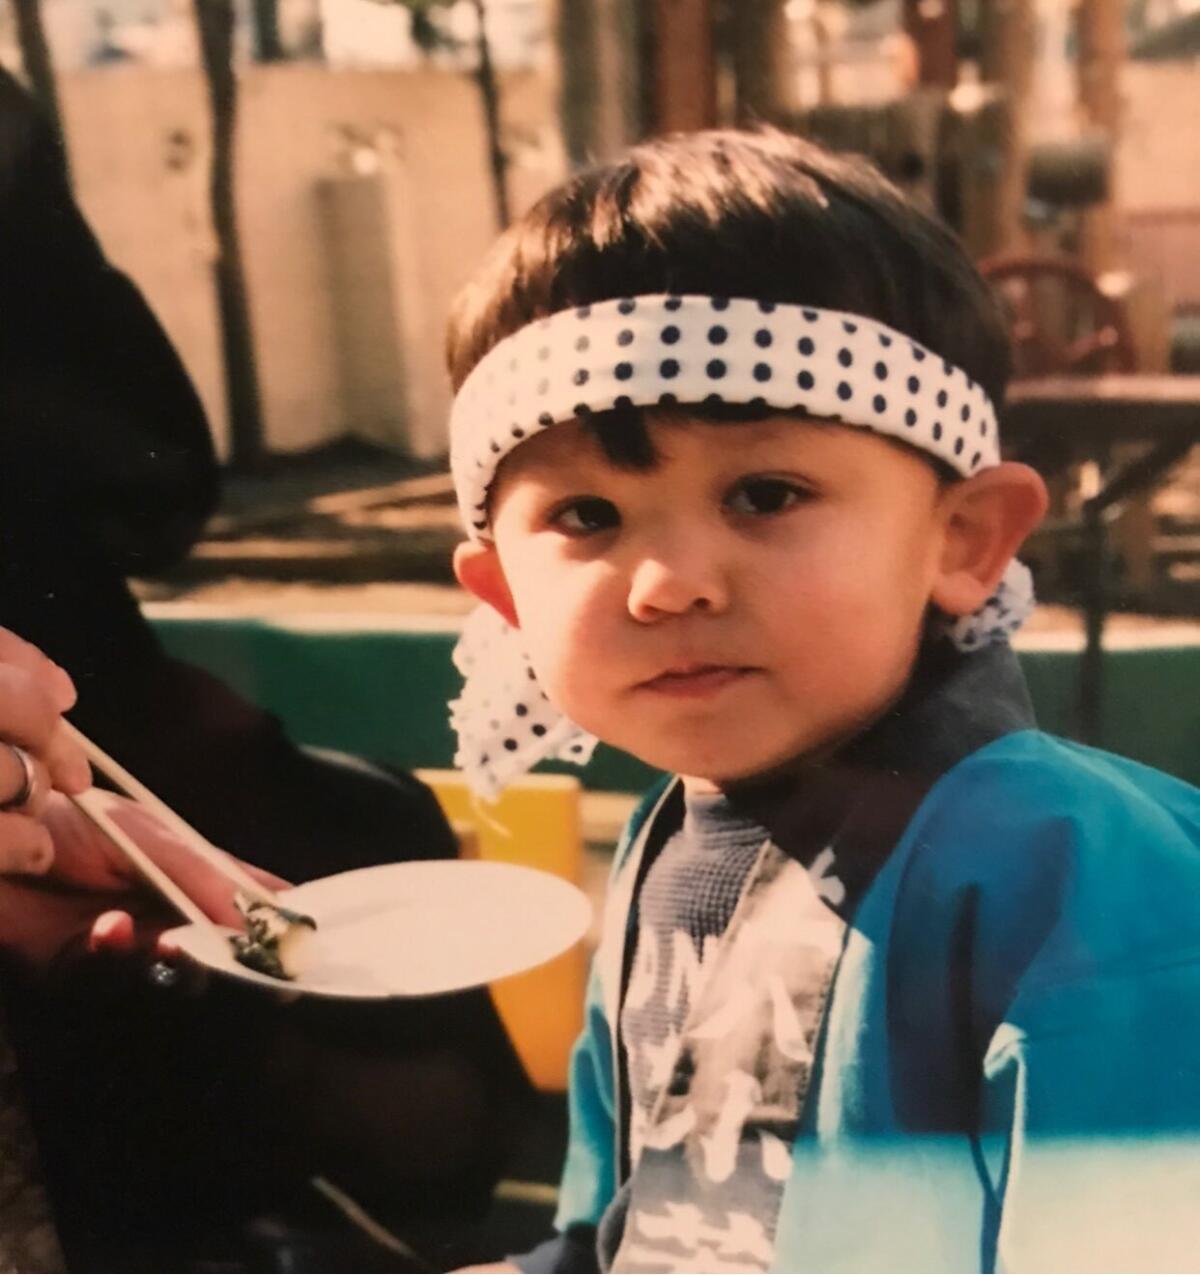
{"x": 760, "y": 496}
{"x": 586, "y": 516}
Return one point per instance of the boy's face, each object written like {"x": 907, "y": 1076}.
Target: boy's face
{"x": 757, "y": 596}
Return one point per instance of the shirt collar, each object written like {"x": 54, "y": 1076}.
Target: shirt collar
{"x": 857, "y": 802}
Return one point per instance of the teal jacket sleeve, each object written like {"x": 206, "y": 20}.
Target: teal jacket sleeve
{"x": 1091, "y": 1082}
{"x": 1094, "y": 1119}
{"x": 589, "y": 1175}
{"x": 1025, "y": 971}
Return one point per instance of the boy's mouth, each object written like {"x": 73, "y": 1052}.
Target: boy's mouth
{"x": 696, "y": 679}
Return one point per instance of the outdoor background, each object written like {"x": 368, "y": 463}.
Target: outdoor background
{"x": 363, "y": 180}
{"x": 300, "y": 186}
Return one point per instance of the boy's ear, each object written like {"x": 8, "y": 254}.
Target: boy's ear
{"x": 987, "y": 517}
{"x": 477, "y": 568}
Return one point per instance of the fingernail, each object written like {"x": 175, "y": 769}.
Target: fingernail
{"x": 41, "y": 856}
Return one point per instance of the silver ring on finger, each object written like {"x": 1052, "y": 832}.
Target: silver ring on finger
{"x": 25, "y": 794}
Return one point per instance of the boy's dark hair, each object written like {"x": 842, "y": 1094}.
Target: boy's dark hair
{"x": 757, "y": 214}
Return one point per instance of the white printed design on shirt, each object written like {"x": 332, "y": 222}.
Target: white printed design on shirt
{"x": 829, "y": 887}
{"x": 711, "y": 1159}
{"x": 651, "y": 1064}
{"x": 739, "y": 1243}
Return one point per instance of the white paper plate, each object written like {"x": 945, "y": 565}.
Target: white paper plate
{"x": 416, "y": 929}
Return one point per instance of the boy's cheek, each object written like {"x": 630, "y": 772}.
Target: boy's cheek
{"x": 566, "y": 671}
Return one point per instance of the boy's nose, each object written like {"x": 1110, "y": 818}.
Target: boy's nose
{"x": 664, "y": 585}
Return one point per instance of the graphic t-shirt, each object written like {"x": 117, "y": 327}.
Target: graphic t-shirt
{"x": 689, "y": 896}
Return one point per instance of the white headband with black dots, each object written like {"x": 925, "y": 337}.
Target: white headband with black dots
{"x": 662, "y": 350}
{"x": 666, "y": 350}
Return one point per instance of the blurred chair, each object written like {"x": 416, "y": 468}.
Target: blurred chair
{"x": 1063, "y": 323}
{"x": 1060, "y": 318}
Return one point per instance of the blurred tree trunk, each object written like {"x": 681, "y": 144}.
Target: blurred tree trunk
{"x": 684, "y": 65}
{"x": 819, "y": 23}
{"x": 1100, "y": 27}
{"x": 37, "y": 64}
{"x": 932, "y": 25}
{"x": 1008, "y": 39}
{"x": 428, "y": 36}
{"x": 267, "y": 45}
{"x": 764, "y": 62}
{"x": 214, "y": 22}
{"x": 602, "y": 89}
{"x": 489, "y": 91}
{"x": 578, "y": 88}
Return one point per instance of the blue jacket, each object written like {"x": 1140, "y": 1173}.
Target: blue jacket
{"x": 1007, "y": 1074}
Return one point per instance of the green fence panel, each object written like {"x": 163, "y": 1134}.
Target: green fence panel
{"x": 383, "y": 693}
{"x": 1150, "y": 700}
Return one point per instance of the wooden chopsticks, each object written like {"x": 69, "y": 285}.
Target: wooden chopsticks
{"x": 93, "y": 805}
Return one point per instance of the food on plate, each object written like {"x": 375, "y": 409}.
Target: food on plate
{"x": 275, "y": 938}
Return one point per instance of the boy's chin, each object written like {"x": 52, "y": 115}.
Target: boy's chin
{"x": 703, "y": 769}
{"x": 726, "y": 767}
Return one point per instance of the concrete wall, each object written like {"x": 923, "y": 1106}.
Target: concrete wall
{"x": 1158, "y": 166}
{"x": 337, "y": 348}
{"x": 1158, "y": 178}
{"x": 139, "y": 152}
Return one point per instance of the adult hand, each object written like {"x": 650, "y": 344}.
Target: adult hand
{"x": 62, "y": 882}
{"x": 36, "y": 754}
{"x": 92, "y": 897}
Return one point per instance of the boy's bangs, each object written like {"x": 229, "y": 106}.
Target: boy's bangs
{"x": 758, "y": 215}
{"x": 624, "y": 436}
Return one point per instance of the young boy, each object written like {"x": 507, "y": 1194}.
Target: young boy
{"x": 889, "y": 980}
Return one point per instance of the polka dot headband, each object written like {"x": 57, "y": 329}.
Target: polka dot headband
{"x": 659, "y": 351}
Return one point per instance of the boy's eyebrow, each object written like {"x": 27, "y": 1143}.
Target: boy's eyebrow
{"x": 540, "y": 458}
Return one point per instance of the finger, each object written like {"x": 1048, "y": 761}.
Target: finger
{"x": 137, "y": 926}
{"x": 25, "y": 845}
{"x": 262, "y": 876}
{"x": 133, "y": 929}
{"x": 67, "y": 763}
{"x": 198, "y": 879}
{"x": 84, "y": 857}
{"x": 164, "y": 945}
{"x": 20, "y": 777}
{"x": 13, "y": 782}
{"x": 138, "y": 821}
{"x": 30, "y": 713}
{"x": 25, "y": 656}
{"x": 62, "y": 765}
{"x": 112, "y": 932}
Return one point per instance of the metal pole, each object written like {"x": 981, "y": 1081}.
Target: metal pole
{"x": 214, "y": 21}
{"x": 1091, "y": 668}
